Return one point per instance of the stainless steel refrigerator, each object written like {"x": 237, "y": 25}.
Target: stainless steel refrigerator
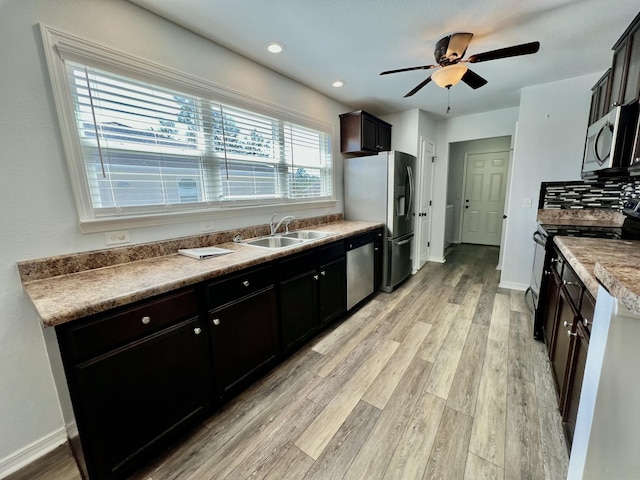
{"x": 381, "y": 188}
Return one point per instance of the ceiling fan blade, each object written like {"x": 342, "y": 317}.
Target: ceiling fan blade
{"x": 473, "y": 79}
{"x": 458, "y": 45}
{"x": 422, "y": 67}
{"x": 418, "y": 87}
{"x": 514, "y": 51}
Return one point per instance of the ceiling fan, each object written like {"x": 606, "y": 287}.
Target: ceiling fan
{"x": 449, "y": 53}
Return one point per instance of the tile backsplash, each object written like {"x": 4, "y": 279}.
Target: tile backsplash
{"x": 609, "y": 194}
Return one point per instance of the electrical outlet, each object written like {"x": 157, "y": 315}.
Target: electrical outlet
{"x": 116, "y": 238}
{"x": 207, "y": 226}
{"x": 526, "y": 202}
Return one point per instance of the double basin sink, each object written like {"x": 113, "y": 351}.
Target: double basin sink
{"x": 287, "y": 239}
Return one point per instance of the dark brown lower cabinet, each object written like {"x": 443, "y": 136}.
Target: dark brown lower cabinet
{"x": 332, "y": 290}
{"x": 244, "y": 338}
{"x": 567, "y": 325}
{"x": 559, "y": 355}
{"x": 130, "y": 401}
{"x": 578, "y": 360}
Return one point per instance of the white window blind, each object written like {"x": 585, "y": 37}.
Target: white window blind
{"x": 150, "y": 149}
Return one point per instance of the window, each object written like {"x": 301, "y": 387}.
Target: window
{"x": 142, "y": 146}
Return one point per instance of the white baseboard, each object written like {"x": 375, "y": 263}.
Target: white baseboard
{"x": 437, "y": 259}
{"x": 32, "y": 452}
{"x": 514, "y": 286}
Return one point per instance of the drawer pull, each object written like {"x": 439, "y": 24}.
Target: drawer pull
{"x": 567, "y": 324}
{"x": 569, "y": 334}
{"x": 323, "y": 273}
{"x": 246, "y": 283}
{"x": 146, "y": 320}
{"x": 565, "y": 282}
{"x": 216, "y": 321}
{"x": 316, "y": 277}
{"x": 197, "y": 330}
{"x": 586, "y": 322}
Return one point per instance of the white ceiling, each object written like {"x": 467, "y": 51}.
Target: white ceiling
{"x": 354, "y": 40}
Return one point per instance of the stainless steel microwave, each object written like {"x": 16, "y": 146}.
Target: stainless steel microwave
{"x": 609, "y": 141}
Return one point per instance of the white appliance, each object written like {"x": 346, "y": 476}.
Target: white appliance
{"x": 381, "y": 188}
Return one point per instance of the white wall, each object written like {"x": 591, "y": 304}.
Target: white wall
{"x": 38, "y": 212}
{"x": 496, "y": 123}
{"x": 552, "y": 124}
{"x": 404, "y": 131}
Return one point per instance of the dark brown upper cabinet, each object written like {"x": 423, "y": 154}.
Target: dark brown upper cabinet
{"x": 363, "y": 134}
{"x": 600, "y": 98}
{"x": 625, "y": 69}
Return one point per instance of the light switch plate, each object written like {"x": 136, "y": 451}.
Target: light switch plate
{"x": 526, "y": 202}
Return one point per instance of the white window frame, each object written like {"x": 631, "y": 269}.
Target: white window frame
{"x": 60, "y": 47}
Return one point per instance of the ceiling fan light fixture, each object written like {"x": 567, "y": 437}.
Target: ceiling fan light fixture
{"x": 448, "y": 76}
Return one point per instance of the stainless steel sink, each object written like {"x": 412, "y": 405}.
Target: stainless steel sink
{"x": 307, "y": 234}
{"x": 274, "y": 242}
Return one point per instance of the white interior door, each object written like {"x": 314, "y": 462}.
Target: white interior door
{"x": 423, "y": 203}
{"x": 484, "y": 192}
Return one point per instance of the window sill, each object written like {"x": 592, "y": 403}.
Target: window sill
{"x": 117, "y": 223}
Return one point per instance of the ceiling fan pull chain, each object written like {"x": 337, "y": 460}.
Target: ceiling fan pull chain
{"x": 448, "y": 99}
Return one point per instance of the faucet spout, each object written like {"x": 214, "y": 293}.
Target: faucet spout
{"x": 286, "y": 220}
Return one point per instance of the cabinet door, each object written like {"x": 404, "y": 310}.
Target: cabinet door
{"x": 618, "y": 75}
{"x": 244, "y": 337}
{"x": 369, "y": 140}
{"x": 561, "y": 346}
{"x": 632, "y": 87}
{"x": 384, "y": 137}
{"x": 333, "y": 290}
{"x": 579, "y": 347}
{"x": 298, "y": 308}
{"x": 551, "y": 294}
{"x": 136, "y": 396}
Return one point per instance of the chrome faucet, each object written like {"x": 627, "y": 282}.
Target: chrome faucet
{"x": 286, "y": 220}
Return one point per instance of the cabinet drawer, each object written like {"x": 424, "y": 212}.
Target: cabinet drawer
{"x": 237, "y": 286}
{"x": 109, "y": 331}
{"x": 587, "y": 310}
{"x": 572, "y": 284}
{"x": 330, "y": 252}
{"x": 297, "y": 265}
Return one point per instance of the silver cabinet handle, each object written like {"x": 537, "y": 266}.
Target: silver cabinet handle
{"x": 316, "y": 277}
{"x": 586, "y": 322}
{"x": 564, "y": 282}
{"x": 323, "y": 273}
{"x": 146, "y": 320}
{"x": 569, "y": 334}
{"x": 567, "y": 324}
{"x": 216, "y": 321}
{"x": 246, "y": 283}
{"x": 197, "y": 330}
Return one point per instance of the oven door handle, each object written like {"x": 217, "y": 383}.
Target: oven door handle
{"x": 537, "y": 237}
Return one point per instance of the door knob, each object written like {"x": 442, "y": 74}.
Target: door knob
{"x": 466, "y": 206}
{"x": 504, "y": 217}
{"x": 467, "y": 201}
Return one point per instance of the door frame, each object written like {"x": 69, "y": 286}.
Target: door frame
{"x": 424, "y": 164}
{"x": 464, "y": 188}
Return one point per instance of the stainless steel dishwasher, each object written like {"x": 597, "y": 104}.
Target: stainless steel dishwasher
{"x": 359, "y": 268}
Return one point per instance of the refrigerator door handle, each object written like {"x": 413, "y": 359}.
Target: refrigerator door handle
{"x": 404, "y": 242}
{"x": 409, "y": 210}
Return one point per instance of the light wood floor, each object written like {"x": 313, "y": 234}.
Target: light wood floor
{"x": 440, "y": 379}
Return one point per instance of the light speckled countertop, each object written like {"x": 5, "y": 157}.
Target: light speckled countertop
{"x": 67, "y": 297}
{"x": 613, "y": 263}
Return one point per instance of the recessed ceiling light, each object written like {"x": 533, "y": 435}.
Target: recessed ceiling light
{"x": 275, "y": 47}
{"x": 338, "y": 83}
